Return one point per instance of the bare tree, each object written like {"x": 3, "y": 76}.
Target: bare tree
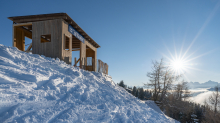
{"x": 168, "y": 79}
{"x": 214, "y": 99}
{"x": 210, "y": 115}
{"x": 181, "y": 91}
{"x": 161, "y": 79}
{"x": 155, "y": 78}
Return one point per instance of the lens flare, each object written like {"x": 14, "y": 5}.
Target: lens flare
{"x": 178, "y": 66}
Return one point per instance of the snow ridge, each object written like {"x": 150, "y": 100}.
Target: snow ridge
{"x": 35, "y": 88}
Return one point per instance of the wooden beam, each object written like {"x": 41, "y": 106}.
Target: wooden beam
{"x": 76, "y": 61}
{"x": 75, "y": 40}
{"x": 23, "y": 24}
{"x": 29, "y": 27}
{"x": 21, "y": 20}
{"x": 29, "y": 48}
{"x": 29, "y": 34}
{"x": 75, "y": 49}
{"x": 90, "y": 46}
{"x": 76, "y": 44}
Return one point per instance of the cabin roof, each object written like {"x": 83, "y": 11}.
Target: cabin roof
{"x": 42, "y": 17}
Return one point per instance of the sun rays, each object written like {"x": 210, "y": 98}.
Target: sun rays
{"x": 183, "y": 60}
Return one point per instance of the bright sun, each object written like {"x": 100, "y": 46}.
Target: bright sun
{"x": 178, "y": 65}
{"x": 181, "y": 62}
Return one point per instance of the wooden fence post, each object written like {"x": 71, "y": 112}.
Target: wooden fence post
{"x": 102, "y": 67}
{"x": 98, "y": 65}
{"x": 107, "y": 69}
{"x": 93, "y": 64}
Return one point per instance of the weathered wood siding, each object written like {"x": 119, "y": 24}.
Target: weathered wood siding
{"x": 49, "y": 49}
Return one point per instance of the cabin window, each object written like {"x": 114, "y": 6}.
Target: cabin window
{"x": 45, "y": 38}
{"x": 67, "y": 43}
{"x": 89, "y": 61}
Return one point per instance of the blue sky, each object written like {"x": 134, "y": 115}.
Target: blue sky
{"x": 133, "y": 33}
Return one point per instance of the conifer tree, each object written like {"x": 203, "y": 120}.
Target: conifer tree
{"x": 141, "y": 94}
{"x": 134, "y": 91}
{"x": 122, "y": 84}
{"x": 137, "y": 93}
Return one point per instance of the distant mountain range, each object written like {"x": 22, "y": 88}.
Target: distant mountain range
{"x": 209, "y": 84}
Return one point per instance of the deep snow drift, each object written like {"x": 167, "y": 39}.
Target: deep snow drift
{"x": 35, "y": 88}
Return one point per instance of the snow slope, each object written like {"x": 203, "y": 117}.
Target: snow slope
{"x": 35, "y": 88}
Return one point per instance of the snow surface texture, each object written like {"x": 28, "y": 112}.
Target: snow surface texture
{"x": 35, "y": 88}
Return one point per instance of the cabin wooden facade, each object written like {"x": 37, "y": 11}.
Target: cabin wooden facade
{"x": 56, "y": 36}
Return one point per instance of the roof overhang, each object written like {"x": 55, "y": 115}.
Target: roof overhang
{"x": 42, "y": 17}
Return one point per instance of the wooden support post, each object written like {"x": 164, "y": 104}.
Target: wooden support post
{"x": 14, "y": 37}
{"x": 29, "y": 48}
{"x": 19, "y": 36}
{"x": 107, "y": 69}
{"x": 99, "y": 66}
{"x": 85, "y": 62}
{"x": 19, "y": 39}
{"x": 95, "y": 57}
{"x": 81, "y": 63}
{"x": 82, "y": 54}
{"x": 93, "y": 64}
{"x": 23, "y": 41}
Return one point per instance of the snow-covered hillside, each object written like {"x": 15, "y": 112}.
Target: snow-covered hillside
{"x": 35, "y": 88}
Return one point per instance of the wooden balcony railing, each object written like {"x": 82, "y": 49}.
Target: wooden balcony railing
{"x": 90, "y": 65}
{"x": 102, "y": 67}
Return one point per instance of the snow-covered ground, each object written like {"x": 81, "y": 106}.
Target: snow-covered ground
{"x": 35, "y": 88}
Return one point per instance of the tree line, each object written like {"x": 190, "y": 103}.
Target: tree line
{"x": 137, "y": 92}
{"x": 172, "y": 95}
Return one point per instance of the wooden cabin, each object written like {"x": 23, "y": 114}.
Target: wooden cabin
{"x": 56, "y": 36}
